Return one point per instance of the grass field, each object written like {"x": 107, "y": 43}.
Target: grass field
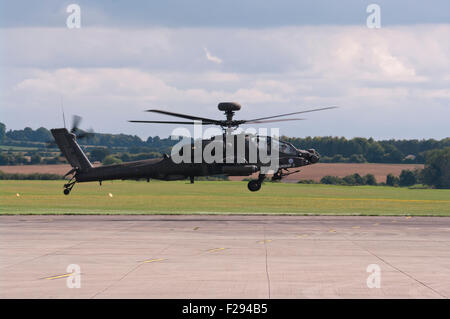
{"x": 129, "y": 197}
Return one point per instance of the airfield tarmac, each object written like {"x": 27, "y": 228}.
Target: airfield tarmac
{"x": 220, "y": 256}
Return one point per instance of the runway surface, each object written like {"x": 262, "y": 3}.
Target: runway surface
{"x": 222, "y": 256}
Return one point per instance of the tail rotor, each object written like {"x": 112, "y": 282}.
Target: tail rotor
{"x": 81, "y": 135}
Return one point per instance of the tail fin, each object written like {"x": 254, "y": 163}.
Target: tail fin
{"x": 68, "y": 145}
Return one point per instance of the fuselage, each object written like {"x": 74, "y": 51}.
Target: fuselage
{"x": 191, "y": 165}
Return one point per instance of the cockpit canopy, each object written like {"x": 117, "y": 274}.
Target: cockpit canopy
{"x": 272, "y": 143}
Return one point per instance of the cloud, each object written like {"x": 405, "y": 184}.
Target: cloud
{"x": 376, "y": 76}
{"x": 212, "y": 58}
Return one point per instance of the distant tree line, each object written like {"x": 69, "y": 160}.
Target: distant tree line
{"x": 39, "y": 138}
{"x": 352, "y": 180}
{"x": 105, "y": 148}
{"x": 32, "y": 176}
{"x": 435, "y": 174}
{"x": 362, "y": 150}
{"x": 29, "y": 158}
{"x": 406, "y": 178}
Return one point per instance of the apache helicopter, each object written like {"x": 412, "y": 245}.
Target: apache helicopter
{"x": 167, "y": 168}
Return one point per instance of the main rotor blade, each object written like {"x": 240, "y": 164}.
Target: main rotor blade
{"x": 185, "y": 116}
{"x": 272, "y": 121}
{"x": 307, "y": 111}
{"x": 171, "y": 122}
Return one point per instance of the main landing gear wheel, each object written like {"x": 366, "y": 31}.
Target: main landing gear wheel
{"x": 254, "y": 185}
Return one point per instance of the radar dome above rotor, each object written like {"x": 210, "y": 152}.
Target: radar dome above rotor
{"x": 229, "y": 106}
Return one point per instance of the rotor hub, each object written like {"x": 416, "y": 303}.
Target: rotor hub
{"x": 229, "y": 108}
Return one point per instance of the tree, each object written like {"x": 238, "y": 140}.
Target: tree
{"x": 20, "y": 159}
{"x": 125, "y": 157}
{"x": 35, "y": 159}
{"x": 330, "y": 180}
{"x": 111, "y": 159}
{"x": 2, "y": 131}
{"x": 370, "y": 179}
{"x": 391, "y": 154}
{"x": 437, "y": 168}
{"x": 358, "y": 179}
{"x": 354, "y": 179}
{"x": 338, "y": 158}
{"x": 5, "y": 159}
{"x": 407, "y": 178}
{"x": 392, "y": 180}
{"x": 357, "y": 158}
{"x": 98, "y": 154}
{"x": 374, "y": 152}
{"x": 42, "y": 135}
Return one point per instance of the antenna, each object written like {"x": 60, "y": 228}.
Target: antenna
{"x": 62, "y": 109}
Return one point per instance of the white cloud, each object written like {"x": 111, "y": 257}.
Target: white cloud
{"x": 212, "y": 58}
{"x": 382, "y": 73}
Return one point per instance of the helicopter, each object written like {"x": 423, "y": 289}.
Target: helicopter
{"x": 227, "y": 154}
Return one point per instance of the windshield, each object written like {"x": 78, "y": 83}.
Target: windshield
{"x": 273, "y": 143}
{"x": 286, "y": 148}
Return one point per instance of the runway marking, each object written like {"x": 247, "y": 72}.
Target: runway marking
{"x": 332, "y": 231}
{"x": 153, "y": 260}
{"x": 264, "y": 241}
{"x": 356, "y": 227}
{"x": 59, "y": 276}
{"x": 215, "y": 249}
{"x": 301, "y": 236}
{"x": 376, "y": 224}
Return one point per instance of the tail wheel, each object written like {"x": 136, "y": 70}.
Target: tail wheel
{"x": 68, "y": 187}
{"x": 254, "y": 185}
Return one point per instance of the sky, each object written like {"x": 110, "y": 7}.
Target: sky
{"x": 270, "y": 56}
